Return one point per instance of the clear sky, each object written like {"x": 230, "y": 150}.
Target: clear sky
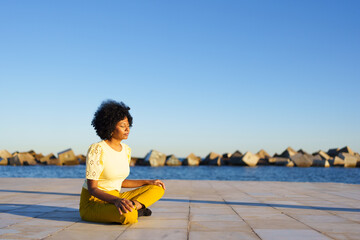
{"x": 199, "y": 76}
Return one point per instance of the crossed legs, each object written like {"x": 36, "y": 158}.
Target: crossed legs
{"x": 96, "y": 210}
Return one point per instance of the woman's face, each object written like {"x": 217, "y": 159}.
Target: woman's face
{"x": 122, "y": 130}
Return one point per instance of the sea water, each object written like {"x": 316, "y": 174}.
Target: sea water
{"x": 236, "y": 173}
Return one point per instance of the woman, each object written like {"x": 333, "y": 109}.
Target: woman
{"x": 107, "y": 167}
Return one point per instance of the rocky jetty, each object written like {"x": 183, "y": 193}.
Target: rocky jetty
{"x": 334, "y": 157}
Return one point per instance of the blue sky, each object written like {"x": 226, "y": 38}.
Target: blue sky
{"x": 199, "y": 76}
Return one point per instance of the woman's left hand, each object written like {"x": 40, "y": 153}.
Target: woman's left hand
{"x": 157, "y": 182}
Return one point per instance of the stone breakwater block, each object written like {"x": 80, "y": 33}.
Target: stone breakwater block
{"x": 263, "y": 157}
{"x": 192, "y": 160}
{"x": 67, "y": 157}
{"x": 302, "y": 151}
{"x": 37, "y": 156}
{"x": 288, "y": 153}
{"x": 318, "y": 161}
{"x": 262, "y": 154}
{"x": 349, "y": 160}
{"x": 323, "y": 154}
{"x": 336, "y": 161}
{"x": 155, "y": 158}
{"x": 81, "y": 158}
{"x": 332, "y": 152}
{"x": 4, "y": 155}
{"x": 235, "y": 158}
{"x": 3, "y": 161}
{"x": 213, "y": 159}
{"x": 290, "y": 164}
{"x": 50, "y": 159}
{"x": 225, "y": 159}
{"x": 357, "y": 155}
{"x": 133, "y": 161}
{"x": 302, "y": 160}
{"x": 346, "y": 149}
{"x": 172, "y": 161}
{"x": 248, "y": 159}
{"x": 20, "y": 159}
{"x": 280, "y": 161}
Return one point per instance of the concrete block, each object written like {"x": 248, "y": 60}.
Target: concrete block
{"x": 346, "y": 149}
{"x": 67, "y": 157}
{"x": 248, "y": 159}
{"x": 302, "y": 160}
{"x": 134, "y": 161}
{"x": 81, "y": 158}
{"x": 4, "y": 155}
{"x": 172, "y": 161}
{"x": 318, "y": 161}
{"x": 235, "y": 157}
{"x": 332, "y": 152}
{"x": 155, "y": 158}
{"x": 192, "y": 160}
{"x": 349, "y": 159}
{"x": 213, "y": 159}
{"x": 323, "y": 154}
{"x": 336, "y": 161}
{"x": 281, "y": 161}
{"x": 50, "y": 159}
{"x": 302, "y": 151}
{"x": 23, "y": 158}
{"x": 263, "y": 157}
{"x": 225, "y": 158}
{"x": 288, "y": 153}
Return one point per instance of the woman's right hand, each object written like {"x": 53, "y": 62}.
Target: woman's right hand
{"x": 123, "y": 205}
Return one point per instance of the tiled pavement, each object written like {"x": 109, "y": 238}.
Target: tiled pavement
{"x": 48, "y": 209}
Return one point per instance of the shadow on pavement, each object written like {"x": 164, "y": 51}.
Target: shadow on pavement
{"x": 37, "y": 192}
{"x": 42, "y": 212}
{"x": 265, "y": 205}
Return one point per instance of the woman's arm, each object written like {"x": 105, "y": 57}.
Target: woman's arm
{"x": 123, "y": 205}
{"x": 138, "y": 183}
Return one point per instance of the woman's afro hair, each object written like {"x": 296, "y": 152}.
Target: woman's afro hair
{"x": 108, "y": 115}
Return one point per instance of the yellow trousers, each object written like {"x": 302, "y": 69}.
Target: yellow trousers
{"x": 96, "y": 210}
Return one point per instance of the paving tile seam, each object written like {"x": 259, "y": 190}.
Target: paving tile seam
{"x": 339, "y": 195}
{"x": 7, "y": 211}
{"x": 275, "y": 208}
{"x": 331, "y": 212}
{"x": 270, "y": 205}
{"x": 26, "y": 220}
{"x": 127, "y": 227}
{"x": 331, "y": 194}
{"x": 252, "y": 230}
{"x": 56, "y": 232}
{"x": 318, "y": 231}
{"x": 189, "y": 223}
